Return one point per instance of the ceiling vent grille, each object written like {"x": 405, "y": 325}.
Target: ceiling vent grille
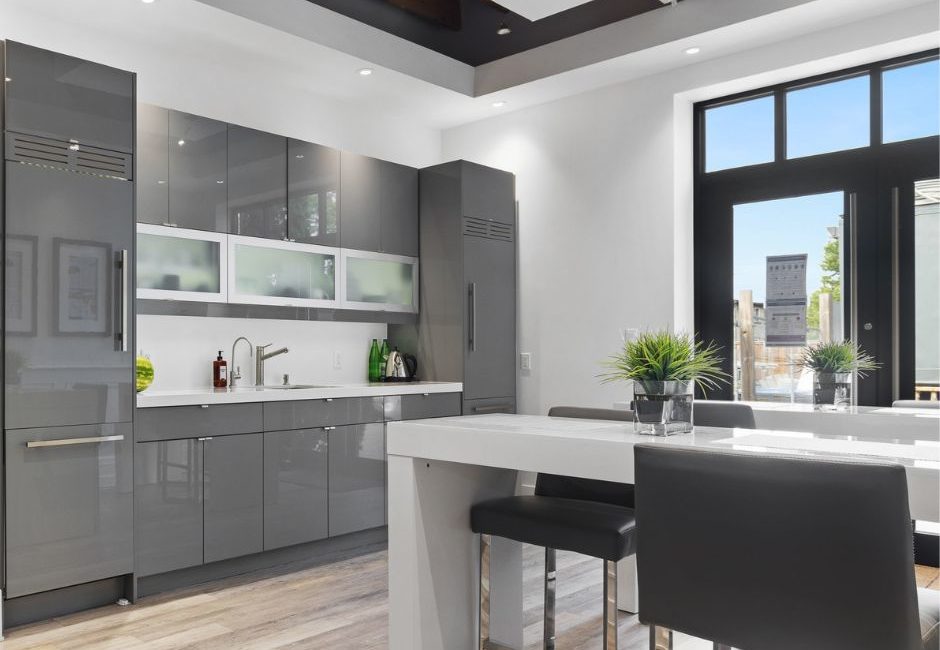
{"x": 474, "y": 227}
{"x": 68, "y": 155}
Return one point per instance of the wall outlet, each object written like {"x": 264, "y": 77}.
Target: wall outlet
{"x": 337, "y": 360}
{"x": 629, "y": 334}
{"x": 525, "y": 361}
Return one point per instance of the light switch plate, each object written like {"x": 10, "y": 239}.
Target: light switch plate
{"x": 337, "y": 360}
{"x": 525, "y": 360}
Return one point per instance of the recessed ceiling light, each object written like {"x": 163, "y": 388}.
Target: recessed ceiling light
{"x": 504, "y": 30}
{"x": 693, "y": 50}
{"x": 499, "y": 103}
{"x": 147, "y": 2}
{"x": 365, "y": 72}
{"x": 181, "y": 142}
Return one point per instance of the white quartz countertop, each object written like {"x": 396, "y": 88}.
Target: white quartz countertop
{"x": 242, "y": 394}
{"x": 604, "y": 449}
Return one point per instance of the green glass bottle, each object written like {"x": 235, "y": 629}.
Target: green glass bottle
{"x": 384, "y": 357}
{"x": 375, "y": 359}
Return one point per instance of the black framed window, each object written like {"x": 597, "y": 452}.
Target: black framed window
{"x": 832, "y": 170}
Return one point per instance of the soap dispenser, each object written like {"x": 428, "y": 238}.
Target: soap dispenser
{"x": 219, "y": 372}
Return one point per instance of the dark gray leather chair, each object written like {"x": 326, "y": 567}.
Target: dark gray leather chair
{"x": 573, "y": 514}
{"x": 722, "y": 414}
{"x": 777, "y": 553}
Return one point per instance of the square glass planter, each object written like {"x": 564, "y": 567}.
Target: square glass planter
{"x": 662, "y": 408}
{"x": 832, "y": 391}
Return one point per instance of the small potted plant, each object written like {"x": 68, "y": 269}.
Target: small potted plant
{"x": 665, "y": 367}
{"x": 833, "y": 366}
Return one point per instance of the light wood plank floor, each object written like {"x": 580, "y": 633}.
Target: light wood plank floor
{"x": 336, "y": 606}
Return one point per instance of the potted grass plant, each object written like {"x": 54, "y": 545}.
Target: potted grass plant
{"x": 834, "y": 366}
{"x": 664, "y": 368}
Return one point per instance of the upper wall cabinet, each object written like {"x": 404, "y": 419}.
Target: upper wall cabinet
{"x": 153, "y": 164}
{"x": 313, "y": 193}
{"x": 257, "y": 178}
{"x": 59, "y": 96}
{"x": 488, "y": 193}
{"x": 198, "y": 168}
{"x": 281, "y": 273}
{"x": 380, "y": 206}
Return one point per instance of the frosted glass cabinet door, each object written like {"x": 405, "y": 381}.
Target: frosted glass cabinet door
{"x": 267, "y": 272}
{"x": 379, "y": 282}
{"x": 180, "y": 264}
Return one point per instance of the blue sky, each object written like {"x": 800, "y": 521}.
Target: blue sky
{"x": 820, "y": 119}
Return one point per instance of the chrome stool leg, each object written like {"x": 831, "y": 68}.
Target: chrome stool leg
{"x": 548, "y": 635}
{"x": 485, "y": 541}
{"x": 610, "y": 605}
{"x": 660, "y": 638}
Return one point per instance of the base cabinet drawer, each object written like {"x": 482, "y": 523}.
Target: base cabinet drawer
{"x": 169, "y": 495}
{"x": 175, "y": 422}
{"x": 234, "y": 496}
{"x": 314, "y": 413}
{"x": 296, "y": 499}
{"x": 430, "y": 405}
{"x": 69, "y": 506}
{"x": 357, "y": 478}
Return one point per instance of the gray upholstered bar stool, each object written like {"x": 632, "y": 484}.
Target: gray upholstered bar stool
{"x": 778, "y": 553}
{"x": 722, "y": 414}
{"x": 573, "y": 514}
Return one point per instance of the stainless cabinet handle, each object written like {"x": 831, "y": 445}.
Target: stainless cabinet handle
{"x": 425, "y": 394}
{"x": 496, "y": 408}
{"x": 203, "y": 406}
{"x": 32, "y": 444}
{"x": 329, "y": 428}
{"x": 473, "y": 316}
{"x": 328, "y": 399}
{"x": 853, "y": 279}
{"x": 122, "y": 264}
{"x": 205, "y": 439}
{"x": 170, "y": 224}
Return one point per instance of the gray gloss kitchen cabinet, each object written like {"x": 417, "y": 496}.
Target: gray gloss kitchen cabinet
{"x": 153, "y": 164}
{"x": 379, "y": 211}
{"x": 198, "y": 160}
{"x": 296, "y": 498}
{"x": 357, "y": 478}
{"x": 233, "y": 496}
{"x": 169, "y": 500}
{"x": 313, "y": 193}
{"x": 466, "y": 328}
{"x": 69, "y": 506}
{"x": 59, "y": 96}
{"x": 257, "y": 183}
{"x": 361, "y": 195}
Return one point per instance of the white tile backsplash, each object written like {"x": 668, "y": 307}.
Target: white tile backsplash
{"x": 182, "y": 349}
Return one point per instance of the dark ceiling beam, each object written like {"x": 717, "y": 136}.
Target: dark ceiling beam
{"x": 442, "y": 12}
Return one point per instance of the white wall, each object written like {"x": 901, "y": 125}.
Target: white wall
{"x": 604, "y": 185}
{"x": 182, "y": 349}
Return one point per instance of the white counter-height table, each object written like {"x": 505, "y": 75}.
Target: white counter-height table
{"x": 438, "y": 468}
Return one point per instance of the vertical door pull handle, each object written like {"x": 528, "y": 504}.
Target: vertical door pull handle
{"x": 472, "y": 336}
{"x": 123, "y": 270}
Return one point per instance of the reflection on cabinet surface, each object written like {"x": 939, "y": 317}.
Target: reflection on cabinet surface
{"x": 198, "y": 154}
{"x": 168, "y": 494}
{"x": 313, "y": 202}
{"x": 69, "y": 506}
{"x": 296, "y": 502}
{"x": 234, "y": 496}
{"x": 153, "y": 164}
{"x": 357, "y": 478}
{"x": 257, "y": 183}
{"x": 379, "y": 206}
{"x": 59, "y": 96}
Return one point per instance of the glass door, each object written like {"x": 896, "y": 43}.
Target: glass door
{"x": 788, "y": 291}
